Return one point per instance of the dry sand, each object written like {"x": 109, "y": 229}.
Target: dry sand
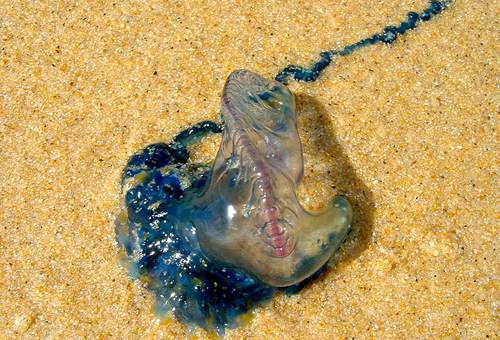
{"x": 407, "y": 132}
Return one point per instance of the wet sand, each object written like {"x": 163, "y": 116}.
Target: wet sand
{"x": 407, "y": 132}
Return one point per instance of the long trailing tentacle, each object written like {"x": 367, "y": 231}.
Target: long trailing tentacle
{"x": 311, "y": 73}
{"x": 388, "y": 36}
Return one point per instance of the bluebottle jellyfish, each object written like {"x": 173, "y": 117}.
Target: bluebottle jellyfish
{"x": 212, "y": 241}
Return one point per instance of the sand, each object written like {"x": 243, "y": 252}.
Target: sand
{"x": 408, "y": 132}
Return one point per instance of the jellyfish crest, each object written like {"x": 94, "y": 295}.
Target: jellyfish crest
{"x": 260, "y": 112}
{"x": 249, "y": 215}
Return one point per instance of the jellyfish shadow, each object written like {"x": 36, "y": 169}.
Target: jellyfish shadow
{"x": 341, "y": 176}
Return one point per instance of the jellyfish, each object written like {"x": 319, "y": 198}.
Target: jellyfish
{"x": 214, "y": 240}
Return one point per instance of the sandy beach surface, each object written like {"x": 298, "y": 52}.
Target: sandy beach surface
{"x": 408, "y": 132}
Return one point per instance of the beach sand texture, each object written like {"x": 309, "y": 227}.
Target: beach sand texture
{"x": 408, "y": 132}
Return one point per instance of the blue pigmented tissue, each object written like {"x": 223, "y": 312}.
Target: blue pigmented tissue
{"x": 214, "y": 241}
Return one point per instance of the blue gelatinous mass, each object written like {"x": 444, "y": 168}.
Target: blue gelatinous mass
{"x": 211, "y": 241}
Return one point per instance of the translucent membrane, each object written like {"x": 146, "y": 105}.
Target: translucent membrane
{"x": 249, "y": 215}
